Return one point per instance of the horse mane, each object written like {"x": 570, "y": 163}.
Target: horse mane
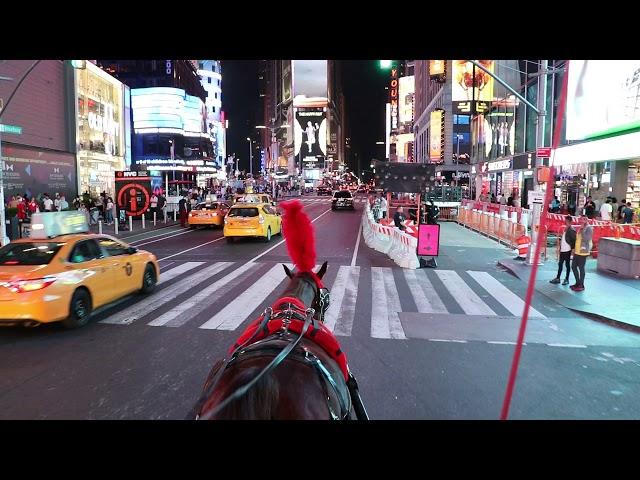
{"x": 299, "y": 236}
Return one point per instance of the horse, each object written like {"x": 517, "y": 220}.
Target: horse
{"x": 286, "y": 365}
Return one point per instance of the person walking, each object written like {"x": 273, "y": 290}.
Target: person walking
{"x": 154, "y": 204}
{"x": 384, "y": 206}
{"x": 621, "y": 207}
{"x": 606, "y": 209}
{"x": 627, "y": 214}
{"x": 590, "y": 208}
{"x": 109, "y": 211}
{"x": 567, "y": 244}
{"x": 582, "y": 251}
{"x": 48, "y": 203}
{"x": 399, "y": 218}
{"x": 182, "y": 210}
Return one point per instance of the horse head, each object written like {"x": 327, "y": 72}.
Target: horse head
{"x": 309, "y": 289}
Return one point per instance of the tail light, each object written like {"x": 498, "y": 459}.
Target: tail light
{"x": 25, "y": 286}
{"x": 260, "y": 219}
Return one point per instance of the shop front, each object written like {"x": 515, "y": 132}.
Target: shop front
{"x": 101, "y": 130}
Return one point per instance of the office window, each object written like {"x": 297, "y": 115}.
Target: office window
{"x": 213, "y": 109}
{"x": 216, "y": 94}
{"x": 209, "y": 79}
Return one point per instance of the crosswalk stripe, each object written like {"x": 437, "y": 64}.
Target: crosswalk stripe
{"x": 166, "y": 295}
{"x": 426, "y": 298}
{"x": 385, "y": 322}
{"x": 342, "y": 307}
{"x": 185, "y": 311}
{"x": 506, "y": 297}
{"x": 236, "y": 312}
{"x": 468, "y": 300}
{"x": 179, "y": 270}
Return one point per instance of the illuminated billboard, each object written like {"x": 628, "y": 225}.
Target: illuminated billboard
{"x": 471, "y": 88}
{"x": 436, "y": 137}
{"x": 393, "y": 100}
{"x": 437, "y": 68}
{"x": 310, "y": 132}
{"x": 169, "y": 109}
{"x": 309, "y": 79}
{"x": 603, "y": 97}
{"x": 286, "y": 81}
{"x": 405, "y": 101}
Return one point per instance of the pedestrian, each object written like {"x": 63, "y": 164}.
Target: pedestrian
{"x": 63, "y": 205}
{"x": 22, "y": 209}
{"x": 154, "y": 204}
{"x": 606, "y": 209}
{"x": 581, "y": 252}
{"x": 56, "y": 203}
{"x": 555, "y": 205}
{"x": 109, "y": 211}
{"x": 627, "y": 214}
{"x": 503, "y": 200}
{"x": 621, "y": 207}
{"x": 182, "y": 211}
{"x": 589, "y": 208}
{"x": 510, "y": 201}
{"x": 33, "y": 206}
{"x": 614, "y": 209}
{"x": 383, "y": 206}
{"x": 567, "y": 244}
{"x": 48, "y": 203}
{"x": 399, "y": 218}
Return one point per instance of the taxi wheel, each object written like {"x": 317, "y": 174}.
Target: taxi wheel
{"x": 149, "y": 280}
{"x": 79, "y": 310}
{"x": 268, "y": 237}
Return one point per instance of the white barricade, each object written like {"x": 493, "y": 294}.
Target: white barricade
{"x": 399, "y": 246}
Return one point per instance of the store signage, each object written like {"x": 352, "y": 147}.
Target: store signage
{"x": 393, "y": 100}
{"x": 544, "y": 152}
{"x": 499, "y": 165}
{"x": 535, "y": 197}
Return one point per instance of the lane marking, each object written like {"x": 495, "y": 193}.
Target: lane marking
{"x": 166, "y": 295}
{"x": 471, "y": 303}
{"x": 341, "y": 308}
{"x": 190, "y": 308}
{"x": 502, "y": 294}
{"x": 192, "y": 248}
{"x": 236, "y": 312}
{"x": 497, "y": 342}
{"x": 446, "y": 340}
{"x": 566, "y": 345}
{"x": 178, "y": 270}
{"x": 355, "y": 252}
{"x": 145, "y": 232}
{"x": 425, "y": 296}
{"x": 154, "y": 236}
{"x": 164, "y": 238}
{"x": 385, "y": 322}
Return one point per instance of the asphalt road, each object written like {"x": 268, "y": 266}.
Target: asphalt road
{"x": 425, "y": 344}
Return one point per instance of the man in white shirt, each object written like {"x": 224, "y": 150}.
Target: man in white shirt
{"x": 48, "y": 204}
{"x": 567, "y": 244}
{"x": 606, "y": 209}
{"x": 56, "y": 202}
{"x": 383, "y": 206}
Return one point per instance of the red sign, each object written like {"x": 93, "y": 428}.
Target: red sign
{"x": 544, "y": 152}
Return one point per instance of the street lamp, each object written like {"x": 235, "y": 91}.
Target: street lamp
{"x": 78, "y": 65}
{"x": 250, "y": 157}
{"x": 386, "y": 64}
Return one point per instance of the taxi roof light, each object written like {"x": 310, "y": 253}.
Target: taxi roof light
{"x": 53, "y": 224}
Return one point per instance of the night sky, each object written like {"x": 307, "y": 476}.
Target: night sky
{"x": 365, "y": 97}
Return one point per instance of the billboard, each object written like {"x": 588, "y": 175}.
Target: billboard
{"x": 603, "y": 97}
{"x": 310, "y": 131}
{"x": 471, "y": 88}
{"x": 310, "y": 78}
{"x": 437, "y": 68}
{"x": 405, "y": 100}
{"x": 393, "y": 100}
{"x": 36, "y": 172}
{"x": 133, "y": 192}
{"x": 436, "y": 137}
{"x": 286, "y": 81}
{"x": 404, "y": 177}
{"x": 166, "y": 110}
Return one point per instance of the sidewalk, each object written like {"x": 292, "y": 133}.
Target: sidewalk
{"x": 137, "y": 228}
{"x": 606, "y": 296}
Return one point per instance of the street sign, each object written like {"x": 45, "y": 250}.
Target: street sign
{"x": 544, "y": 152}
{"x": 535, "y": 197}
{"x": 16, "y": 130}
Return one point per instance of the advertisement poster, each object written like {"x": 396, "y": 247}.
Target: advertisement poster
{"x": 286, "y": 81}
{"x": 429, "y": 240}
{"x": 406, "y": 98}
{"x": 436, "y": 137}
{"x": 36, "y": 172}
{"x": 437, "y": 68}
{"x": 310, "y": 78}
{"x": 310, "y": 132}
{"x": 133, "y": 192}
{"x": 603, "y": 97}
{"x": 472, "y": 88}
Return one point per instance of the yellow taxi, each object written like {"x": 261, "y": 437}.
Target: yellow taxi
{"x": 252, "y": 220}
{"x": 208, "y": 214}
{"x": 62, "y": 273}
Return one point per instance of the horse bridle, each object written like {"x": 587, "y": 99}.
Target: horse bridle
{"x": 321, "y": 301}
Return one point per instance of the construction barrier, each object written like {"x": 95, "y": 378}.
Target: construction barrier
{"x": 399, "y": 246}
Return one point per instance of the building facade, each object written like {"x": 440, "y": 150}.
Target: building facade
{"x": 210, "y": 73}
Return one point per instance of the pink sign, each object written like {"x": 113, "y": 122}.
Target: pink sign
{"x": 429, "y": 240}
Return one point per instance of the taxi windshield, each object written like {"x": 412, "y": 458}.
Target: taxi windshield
{"x": 243, "y": 212}
{"x": 207, "y": 206}
{"x": 32, "y": 253}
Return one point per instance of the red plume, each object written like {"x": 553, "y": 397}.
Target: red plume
{"x": 299, "y": 235}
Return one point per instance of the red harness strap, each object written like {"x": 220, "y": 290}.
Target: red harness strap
{"x": 322, "y": 337}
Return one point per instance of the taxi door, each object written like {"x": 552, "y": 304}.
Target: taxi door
{"x": 273, "y": 219}
{"x": 86, "y": 266}
{"x": 127, "y": 269}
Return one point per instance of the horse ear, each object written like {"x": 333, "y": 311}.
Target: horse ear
{"x": 287, "y": 271}
{"x": 322, "y": 271}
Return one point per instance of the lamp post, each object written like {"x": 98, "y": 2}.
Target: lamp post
{"x": 76, "y": 64}
{"x": 458, "y": 138}
{"x": 250, "y": 157}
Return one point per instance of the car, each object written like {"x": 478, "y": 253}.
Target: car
{"x": 252, "y": 220}
{"x": 62, "y": 273}
{"x": 342, "y": 199}
{"x": 208, "y": 214}
{"x": 324, "y": 190}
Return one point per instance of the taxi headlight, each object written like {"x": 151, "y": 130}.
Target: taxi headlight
{"x": 24, "y": 286}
